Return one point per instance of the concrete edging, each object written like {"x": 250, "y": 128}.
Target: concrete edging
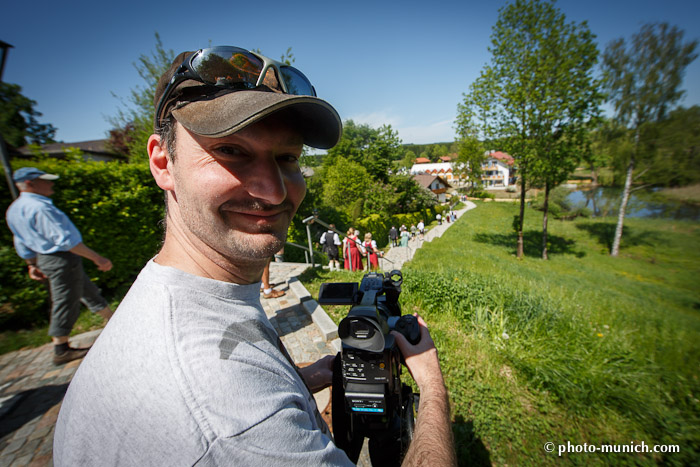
{"x": 325, "y": 324}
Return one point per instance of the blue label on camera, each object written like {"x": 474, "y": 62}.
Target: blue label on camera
{"x": 367, "y": 409}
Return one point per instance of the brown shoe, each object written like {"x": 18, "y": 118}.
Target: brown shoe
{"x": 69, "y": 355}
{"x": 274, "y": 294}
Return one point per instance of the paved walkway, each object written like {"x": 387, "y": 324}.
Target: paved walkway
{"x": 398, "y": 255}
{"x": 32, "y": 388}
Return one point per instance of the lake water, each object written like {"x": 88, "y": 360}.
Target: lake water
{"x": 604, "y": 202}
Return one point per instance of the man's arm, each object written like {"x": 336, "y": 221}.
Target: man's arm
{"x": 433, "y": 443}
{"x": 318, "y": 375}
{"x": 102, "y": 263}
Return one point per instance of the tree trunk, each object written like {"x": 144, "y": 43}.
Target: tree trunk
{"x": 521, "y": 218}
{"x": 594, "y": 175}
{"x": 623, "y": 206}
{"x": 544, "y": 220}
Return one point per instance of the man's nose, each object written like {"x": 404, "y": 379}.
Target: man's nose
{"x": 266, "y": 182}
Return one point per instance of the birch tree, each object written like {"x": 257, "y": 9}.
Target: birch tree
{"x": 643, "y": 79}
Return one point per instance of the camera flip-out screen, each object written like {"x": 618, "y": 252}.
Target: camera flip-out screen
{"x": 337, "y": 293}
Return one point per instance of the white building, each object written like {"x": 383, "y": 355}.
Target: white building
{"x": 497, "y": 171}
{"x": 440, "y": 169}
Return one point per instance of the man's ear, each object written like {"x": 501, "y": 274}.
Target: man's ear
{"x": 159, "y": 162}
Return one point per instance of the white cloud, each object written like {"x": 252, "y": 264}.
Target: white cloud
{"x": 437, "y": 132}
{"x": 377, "y": 119}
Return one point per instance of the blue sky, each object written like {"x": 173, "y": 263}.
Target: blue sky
{"x": 401, "y": 63}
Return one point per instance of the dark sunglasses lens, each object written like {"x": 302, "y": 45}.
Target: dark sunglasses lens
{"x": 296, "y": 82}
{"x": 228, "y": 67}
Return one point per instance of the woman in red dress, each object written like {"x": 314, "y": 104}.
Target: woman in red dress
{"x": 371, "y": 249}
{"x": 351, "y": 251}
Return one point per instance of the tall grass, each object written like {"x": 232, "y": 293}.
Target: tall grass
{"x": 582, "y": 348}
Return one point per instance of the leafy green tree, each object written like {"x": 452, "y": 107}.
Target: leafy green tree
{"x": 643, "y": 79}
{"x": 345, "y": 185}
{"x": 471, "y": 152}
{"x": 372, "y": 148}
{"x": 411, "y": 197}
{"x": 18, "y": 119}
{"x": 408, "y": 160}
{"x": 674, "y": 146}
{"x": 607, "y": 138}
{"x": 536, "y": 96}
{"x": 133, "y": 123}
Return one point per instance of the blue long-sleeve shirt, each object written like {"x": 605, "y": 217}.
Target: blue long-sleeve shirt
{"x": 39, "y": 227}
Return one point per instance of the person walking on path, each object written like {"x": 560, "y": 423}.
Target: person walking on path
{"x": 394, "y": 236}
{"x": 52, "y": 247}
{"x": 421, "y": 229}
{"x": 354, "y": 247}
{"x": 190, "y": 370}
{"x": 347, "y": 264}
{"x": 404, "y": 236}
{"x": 372, "y": 252}
{"x": 331, "y": 242}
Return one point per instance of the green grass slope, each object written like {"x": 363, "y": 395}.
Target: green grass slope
{"x": 583, "y": 348}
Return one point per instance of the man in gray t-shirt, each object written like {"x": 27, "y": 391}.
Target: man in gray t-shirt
{"x": 189, "y": 371}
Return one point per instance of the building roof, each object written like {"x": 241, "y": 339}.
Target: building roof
{"x": 422, "y": 160}
{"x": 425, "y": 180}
{"x": 503, "y": 157}
{"x": 96, "y": 147}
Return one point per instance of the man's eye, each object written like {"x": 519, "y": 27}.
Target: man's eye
{"x": 290, "y": 158}
{"x": 229, "y": 151}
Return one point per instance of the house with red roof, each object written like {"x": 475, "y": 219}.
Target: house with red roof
{"x": 497, "y": 171}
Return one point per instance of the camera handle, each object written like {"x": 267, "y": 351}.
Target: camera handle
{"x": 408, "y": 326}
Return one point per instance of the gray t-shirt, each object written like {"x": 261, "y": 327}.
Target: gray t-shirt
{"x": 189, "y": 371}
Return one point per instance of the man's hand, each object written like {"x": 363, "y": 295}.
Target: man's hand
{"x": 103, "y": 264}
{"x": 318, "y": 375}
{"x": 35, "y": 273}
{"x": 432, "y": 443}
{"x": 422, "y": 358}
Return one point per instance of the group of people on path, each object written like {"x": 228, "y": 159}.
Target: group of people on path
{"x": 354, "y": 250}
{"x": 449, "y": 217}
{"x": 401, "y": 236}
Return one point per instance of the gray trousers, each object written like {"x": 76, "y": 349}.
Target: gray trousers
{"x": 69, "y": 286}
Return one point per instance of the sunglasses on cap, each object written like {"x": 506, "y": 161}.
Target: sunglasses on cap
{"x": 238, "y": 69}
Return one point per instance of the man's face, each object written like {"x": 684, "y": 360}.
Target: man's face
{"x": 237, "y": 194}
{"x": 42, "y": 187}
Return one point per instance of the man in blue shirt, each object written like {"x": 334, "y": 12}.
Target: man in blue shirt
{"x": 52, "y": 246}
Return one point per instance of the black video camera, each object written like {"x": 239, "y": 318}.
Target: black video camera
{"x": 369, "y": 399}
